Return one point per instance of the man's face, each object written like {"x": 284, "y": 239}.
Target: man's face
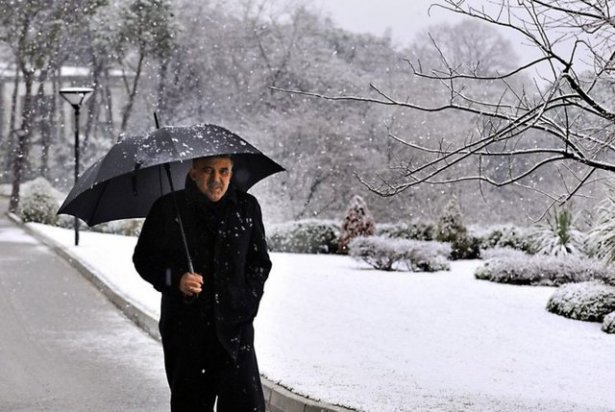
{"x": 212, "y": 176}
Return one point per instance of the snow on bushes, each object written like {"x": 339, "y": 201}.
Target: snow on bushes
{"x": 39, "y": 202}
{"x": 559, "y": 236}
{"x": 384, "y": 253}
{"x": 450, "y": 228}
{"x": 450, "y": 223}
{"x": 590, "y": 301}
{"x": 124, "y": 227}
{"x": 357, "y": 222}
{"x": 304, "y": 236}
{"x": 608, "y": 323}
{"x": 504, "y": 236}
{"x": 415, "y": 230}
{"x": 601, "y": 237}
{"x": 541, "y": 269}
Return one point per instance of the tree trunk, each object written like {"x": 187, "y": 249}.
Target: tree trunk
{"x": 161, "y": 103}
{"x": 10, "y": 143}
{"x": 107, "y": 102}
{"x": 133, "y": 93}
{"x": 23, "y": 141}
{"x": 41, "y": 112}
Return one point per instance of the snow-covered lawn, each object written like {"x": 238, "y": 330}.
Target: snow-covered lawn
{"x": 334, "y": 330}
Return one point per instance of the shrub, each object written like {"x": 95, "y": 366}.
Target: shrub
{"x": 590, "y": 301}
{"x": 450, "y": 224}
{"x": 465, "y": 247}
{"x": 541, "y": 270}
{"x": 357, "y": 222}
{"x": 601, "y": 238}
{"x": 559, "y": 236}
{"x": 450, "y": 228}
{"x": 415, "y": 230}
{"x": 124, "y": 227}
{"x": 304, "y": 236}
{"x": 39, "y": 202}
{"x": 505, "y": 253}
{"x": 379, "y": 252}
{"x": 384, "y": 253}
{"x": 608, "y": 323}
{"x": 505, "y": 236}
{"x": 427, "y": 256}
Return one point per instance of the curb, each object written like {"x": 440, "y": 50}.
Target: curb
{"x": 277, "y": 397}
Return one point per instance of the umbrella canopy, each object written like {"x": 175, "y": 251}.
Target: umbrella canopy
{"x": 131, "y": 176}
{"x": 178, "y": 144}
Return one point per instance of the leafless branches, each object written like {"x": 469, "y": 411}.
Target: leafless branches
{"x": 559, "y": 119}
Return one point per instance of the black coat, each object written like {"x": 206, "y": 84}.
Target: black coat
{"x": 227, "y": 243}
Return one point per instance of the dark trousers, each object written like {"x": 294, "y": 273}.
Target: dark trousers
{"x": 199, "y": 370}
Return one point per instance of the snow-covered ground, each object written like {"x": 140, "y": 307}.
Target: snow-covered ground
{"x": 332, "y": 329}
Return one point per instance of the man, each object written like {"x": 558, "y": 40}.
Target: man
{"x": 206, "y": 316}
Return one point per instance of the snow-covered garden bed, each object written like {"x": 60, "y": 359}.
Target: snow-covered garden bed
{"x": 335, "y": 329}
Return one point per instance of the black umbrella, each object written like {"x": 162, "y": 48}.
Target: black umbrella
{"x": 94, "y": 196}
{"x": 181, "y": 144}
{"x": 131, "y": 176}
{"x": 137, "y": 171}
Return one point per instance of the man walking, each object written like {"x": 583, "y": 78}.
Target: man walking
{"x": 207, "y": 315}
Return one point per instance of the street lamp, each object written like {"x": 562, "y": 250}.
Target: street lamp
{"x": 76, "y": 96}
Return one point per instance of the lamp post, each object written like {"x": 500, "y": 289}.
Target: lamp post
{"x": 76, "y": 96}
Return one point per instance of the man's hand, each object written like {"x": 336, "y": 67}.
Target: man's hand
{"x": 191, "y": 284}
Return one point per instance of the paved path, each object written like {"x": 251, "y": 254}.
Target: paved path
{"x": 63, "y": 345}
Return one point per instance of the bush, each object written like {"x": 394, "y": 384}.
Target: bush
{"x": 450, "y": 224}
{"x": 505, "y": 253}
{"x": 450, "y": 228}
{"x": 590, "y": 301}
{"x": 39, "y": 202}
{"x": 304, "y": 236}
{"x": 608, "y": 323}
{"x": 357, "y": 222}
{"x": 541, "y": 270}
{"x": 559, "y": 235}
{"x": 384, "y": 253}
{"x": 415, "y": 230}
{"x": 505, "y": 236}
{"x": 125, "y": 227}
{"x": 601, "y": 237}
{"x": 427, "y": 256}
{"x": 465, "y": 247}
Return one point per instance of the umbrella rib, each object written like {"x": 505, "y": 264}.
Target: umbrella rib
{"x": 160, "y": 179}
{"x": 95, "y": 209}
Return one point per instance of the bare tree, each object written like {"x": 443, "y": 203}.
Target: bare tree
{"x": 147, "y": 30}
{"x": 561, "y": 121}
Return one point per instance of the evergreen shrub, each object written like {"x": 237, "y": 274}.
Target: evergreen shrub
{"x": 39, "y": 202}
{"x": 601, "y": 237}
{"x": 590, "y": 301}
{"x": 385, "y": 253}
{"x": 505, "y": 236}
{"x": 451, "y": 228}
{"x": 358, "y": 221}
{"x": 304, "y": 236}
{"x": 608, "y": 323}
{"x": 541, "y": 270}
{"x": 415, "y": 230}
{"x": 559, "y": 235}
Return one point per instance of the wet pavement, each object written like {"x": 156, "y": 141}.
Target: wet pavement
{"x": 63, "y": 345}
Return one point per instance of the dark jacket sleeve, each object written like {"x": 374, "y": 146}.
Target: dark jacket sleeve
{"x": 258, "y": 266}
{"x": 154, "y": 255}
